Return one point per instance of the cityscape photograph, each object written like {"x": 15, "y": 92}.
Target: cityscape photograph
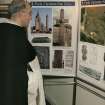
{"x": 41, "y": 20}
{"x": 62, "y": 29}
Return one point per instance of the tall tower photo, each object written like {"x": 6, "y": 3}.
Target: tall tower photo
{"x": 37, "y": 23}
{"x": 62, "y": 29}
{"x": 41, "y": 20}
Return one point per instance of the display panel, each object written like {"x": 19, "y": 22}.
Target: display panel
{"x": 53, "y": 33}
{"x": 91, "y": 62}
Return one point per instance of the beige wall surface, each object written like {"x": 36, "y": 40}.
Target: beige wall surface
{"x": 5, "y": 1}
{"x": 59, "y": 92}
{"x": 87, "y": 95}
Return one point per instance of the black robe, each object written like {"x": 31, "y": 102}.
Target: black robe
{"x": 15, "y": 53}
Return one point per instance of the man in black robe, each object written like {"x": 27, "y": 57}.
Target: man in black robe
{"x": 15, "y": 53}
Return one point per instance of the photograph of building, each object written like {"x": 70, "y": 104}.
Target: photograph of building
{"x": 68, "y": 59}
{"x": 43, "y": 56}
{"x": 62, "y": 30}
{"x": 58, "y": 61}
{"x": 41, "y": 40}
{"x": 41, "y": 20}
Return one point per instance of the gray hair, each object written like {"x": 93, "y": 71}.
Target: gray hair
{"x": 16, "y": 6}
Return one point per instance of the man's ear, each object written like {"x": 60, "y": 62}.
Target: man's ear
{"x": 20, "y": 14}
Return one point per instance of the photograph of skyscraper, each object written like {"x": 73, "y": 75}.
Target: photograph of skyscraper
{"x": 43, "y": 55}
{"x": 41, "y": 20}
{"x": 58, "y": 61}
{"x": 62, "y": 29}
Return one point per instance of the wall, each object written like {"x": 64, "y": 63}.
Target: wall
{"x": 88, "y": 95}
{"x": 59, "y": 91}
{"x": 5, "y": 1}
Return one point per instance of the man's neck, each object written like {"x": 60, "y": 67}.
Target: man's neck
{"x": 15, "y": 21}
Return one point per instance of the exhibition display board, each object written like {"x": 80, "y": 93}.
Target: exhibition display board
{"x": 69, "y": 37}
{"x": 53, "y": 33}
{"x": 91, "y": 46}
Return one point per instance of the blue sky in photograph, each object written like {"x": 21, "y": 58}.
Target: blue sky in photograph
{"x": 42, "y": 13}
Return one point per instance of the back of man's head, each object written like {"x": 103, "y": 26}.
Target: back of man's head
{"x": 16, "y": 6}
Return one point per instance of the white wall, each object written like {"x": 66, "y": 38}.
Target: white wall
{"x": 89, "y": 97}
{"x": 60, "y": 92}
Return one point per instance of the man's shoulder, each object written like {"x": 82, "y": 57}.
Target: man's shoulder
{"x": 5, "y": 25}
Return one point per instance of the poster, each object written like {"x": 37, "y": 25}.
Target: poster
{"x": 53, "y": 33}
{"x": 91, "y": 62}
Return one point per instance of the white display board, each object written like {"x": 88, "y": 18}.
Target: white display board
{"x": 61, "y": 29}
{"x": 91, "y": 53}
{"x": 53, "y": 34}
